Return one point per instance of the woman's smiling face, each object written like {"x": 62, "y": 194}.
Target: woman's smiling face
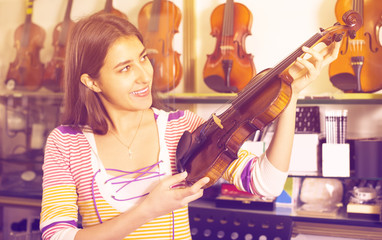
{"x": 126, "y": 77}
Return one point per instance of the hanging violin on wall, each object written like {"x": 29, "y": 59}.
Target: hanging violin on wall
{"x": 358, "y": 66}
{"x": 214, "y": 145}
{"x": 158, "y": 22}
{"x": 26, "y": 71}
{"x": 54, "y": 71}
{"x": 229, "y": 68}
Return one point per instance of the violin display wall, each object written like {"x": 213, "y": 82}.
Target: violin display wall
{"x": 278, "y": 28}
{"x": 48, "y": 14}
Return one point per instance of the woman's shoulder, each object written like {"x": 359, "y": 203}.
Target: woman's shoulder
{"x": 176, "y": 115}
{"x": 65, "y": 132}
{"x": 67, "y": 129}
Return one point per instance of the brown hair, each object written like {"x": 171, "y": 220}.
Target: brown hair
{"x": 89, "y": 42}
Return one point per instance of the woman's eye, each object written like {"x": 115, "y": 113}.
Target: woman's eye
{"x": 126, "y": 68}
{"x": 144, "y": 58}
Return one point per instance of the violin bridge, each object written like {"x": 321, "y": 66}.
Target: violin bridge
{"x": 217, "y": 120}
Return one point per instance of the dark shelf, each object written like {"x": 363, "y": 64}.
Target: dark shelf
{"x": 340, "y": 218}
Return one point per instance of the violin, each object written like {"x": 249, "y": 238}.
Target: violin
{"x": 229, "y": 68}
{"x": 25, "y": 72}
{"x": 158, "y": 21}
{"x": 214, "y": 145}
{"x": 110, "y": 9}
{"x": 53, "y": 78}
{"x": 358, "y": 66}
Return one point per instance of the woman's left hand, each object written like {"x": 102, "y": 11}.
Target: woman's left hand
{"x": 305, "y": 70}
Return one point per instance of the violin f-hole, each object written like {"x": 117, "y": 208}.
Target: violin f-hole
{"x": 373, "y": 50}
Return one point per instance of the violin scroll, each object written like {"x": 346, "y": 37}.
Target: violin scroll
{"x": 352, "y": 19}
{"x": 353, "y": 22}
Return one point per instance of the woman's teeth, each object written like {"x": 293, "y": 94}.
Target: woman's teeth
{"x": 140, "y": 91}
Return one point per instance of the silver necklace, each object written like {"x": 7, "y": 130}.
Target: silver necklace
{"x": 128, "y": 147}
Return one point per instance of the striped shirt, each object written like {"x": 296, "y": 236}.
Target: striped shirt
{"x": 75, "y": 181}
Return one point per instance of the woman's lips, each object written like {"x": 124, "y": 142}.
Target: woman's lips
{"x": 141, "y": 93}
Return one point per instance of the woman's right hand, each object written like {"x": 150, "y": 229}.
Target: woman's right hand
{"x": 166, "y": 198}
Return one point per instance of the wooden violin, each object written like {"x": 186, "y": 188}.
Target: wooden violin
{"x": 229, "y": 68}
{"x": 54, "y": 71}
{"x": 211, "y": 148}
{"x": 358, "y": 66}
{"x": 26, "y": 71}
{"x": 158, "y": 21}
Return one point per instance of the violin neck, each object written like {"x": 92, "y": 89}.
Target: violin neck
{"x": 68, "y": 10}
{"x": 297, "y": 53}
{"x": 254, "y": 86}
{"x": 108, "y": 6}
{"x": 66, "y": 23}
{"x": 154, "y": 16}
{"x": 27, "y": 24}
{"x": 228, "y": 19}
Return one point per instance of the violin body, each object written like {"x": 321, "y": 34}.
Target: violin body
{"x": 214, "y": 145}
{"x": 229, "y": 68}
{"x": 358, "y": 66}
{"x": 26, "y": 71}
{"x": 213, "y": 153}
{"x": 158, "y": 22}
{"x": 54, "y": 70}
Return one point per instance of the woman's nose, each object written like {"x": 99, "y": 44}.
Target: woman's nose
{"x": 146, "y": 72}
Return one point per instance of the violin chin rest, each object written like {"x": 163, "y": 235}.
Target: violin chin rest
{"x": 344, "y": 81}
{"x": 218, "y": 84}
{"x": 182, "y": 151}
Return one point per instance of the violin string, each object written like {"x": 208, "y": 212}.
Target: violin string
{"x": 224, "y": 31}
{"x": 231, "y": 18}
{"x": 253, "y": 87}
{"x": 247, "y": 93}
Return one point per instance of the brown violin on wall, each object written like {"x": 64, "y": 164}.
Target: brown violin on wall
{"x": 229, "y": 68}
{"x": 26, "y": 71}
{"x": 158, "y": 21}
{"x": 54, "y": 71}
{"x": 358, "y": 66}
{"x": 214, "y": 145}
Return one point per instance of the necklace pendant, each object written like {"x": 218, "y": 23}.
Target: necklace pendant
{"x": 130, "y": 154}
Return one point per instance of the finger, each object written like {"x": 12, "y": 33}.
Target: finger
{"x": 330, "y": 53}
{"x": 309, "y": 66}
{"x": 195, "y": 188}
{"x": 200, "y": 183}
{"x": 317, "y": 57}
{"x": 194, "y": 196}
{"x": 334, "y": 49}
{"x": 337, "y": 46}
{"x": 174, "y": 179}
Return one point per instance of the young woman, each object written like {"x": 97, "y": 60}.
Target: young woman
{"x": 113, "y": 158}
